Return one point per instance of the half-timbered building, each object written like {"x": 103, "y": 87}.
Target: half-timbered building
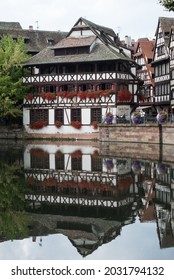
{"x": 162, "y": 63}
{"x": 143, "y": 56}
{"x": 79, "y": 82}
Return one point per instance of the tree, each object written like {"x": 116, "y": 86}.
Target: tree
{"x": 12, "y": 56}
{"x": 14, "y": 220}
{"x": 168, "y": 4}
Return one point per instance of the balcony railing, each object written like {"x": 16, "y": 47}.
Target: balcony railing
{"x": 77, "y": 77}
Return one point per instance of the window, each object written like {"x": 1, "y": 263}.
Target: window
{"x": 96, "y": 115}
{"x": 38, "y": 115}
{"x": 76, "y": 163}
{"x": 39, "y": 159}
{"x": 76, "y": 115}
{"x": 59, "y": 115}
{"x": 105, "y": 86}
{"x": 96, "y": 164}
{"x": 50, "y": 42}
{"x": 161, "y": 50}
{"x": 26, "y": 40}
{"x": 172, "y": 53}
{"x": 50, "y": 88}
{"x": 59, "y": 161}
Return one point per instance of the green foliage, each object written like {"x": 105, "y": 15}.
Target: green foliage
{"x": 168, "y": 4}
{"x": 12, "y": 56}
{"x": 13, "y": 220}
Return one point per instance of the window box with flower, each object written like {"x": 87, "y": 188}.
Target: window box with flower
{"x": 76, "y": 124}
{"x": 38, "y": 124}
{"x": 94, "y": 124}
{"x": 109, "y": 118}
{"x": 162, "y": 117}
{"x": 58, "y": 124}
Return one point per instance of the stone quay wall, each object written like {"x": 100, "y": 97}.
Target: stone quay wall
{"x": 149, "y": 133}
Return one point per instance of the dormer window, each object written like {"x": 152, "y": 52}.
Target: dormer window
{"x": 166, "y": 34}
{"x": 72, "y": 51}
{"x": 26, "y": 40}
{"x": 50, "y": 42}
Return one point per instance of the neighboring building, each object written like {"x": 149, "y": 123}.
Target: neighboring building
{"x": 78, "y": 81}
{"x": 171, "y": 49}
{"x": 163, "y": 63}
{"x": 35, "y": 40}
{"x": 143, "y": 56}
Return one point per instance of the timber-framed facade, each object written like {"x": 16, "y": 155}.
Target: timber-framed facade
{"x": 75, "y": 84}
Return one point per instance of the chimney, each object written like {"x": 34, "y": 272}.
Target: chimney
{"x": 30, "y": 27}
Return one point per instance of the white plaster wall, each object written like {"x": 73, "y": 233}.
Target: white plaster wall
{"x": 84, "y": 34}
{"x": 65, "y": 149}
{"x": 51, "y": 116}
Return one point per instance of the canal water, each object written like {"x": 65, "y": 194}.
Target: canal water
{"x": 73, "y": 201}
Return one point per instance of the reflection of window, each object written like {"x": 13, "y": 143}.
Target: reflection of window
{"x": 38, "y": 115}
{"x": 59, "y": 115}
{"x": 39, "y": 159}
{"x": 76, "y": 115}
{"x": 96, "y": 115}
{"x": 96, "y": 164}
{"x": 59, "y": 161}
{"x": 76, "y": 163}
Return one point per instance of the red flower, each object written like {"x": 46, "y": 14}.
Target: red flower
{"x": 38, "y": 124}
{"x": 58, "y": 124}
{"x": 30, "y": 96}
{"x": 124, "y": 95}
{"x": 76, "y": 124}
{"x": 94, "y": 124}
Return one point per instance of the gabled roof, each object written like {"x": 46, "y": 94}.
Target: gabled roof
{"x": 147, "y": 48}
{"x": 37, "y": 39}
{"x": 93, "y": 26}
{"x": 103, "y": 46}
{"x": 9, "y": 25}
{"x": 166, "y": 24}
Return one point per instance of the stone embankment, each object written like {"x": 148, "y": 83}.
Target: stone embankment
{"x": 149, "y": 133}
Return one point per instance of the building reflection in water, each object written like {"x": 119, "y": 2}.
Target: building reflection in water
{"x": 89, "y": 197}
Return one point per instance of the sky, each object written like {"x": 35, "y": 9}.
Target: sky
{"x": 134, "y": 18}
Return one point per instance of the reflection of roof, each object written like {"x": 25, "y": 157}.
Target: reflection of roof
{"x": 86, "y": 234}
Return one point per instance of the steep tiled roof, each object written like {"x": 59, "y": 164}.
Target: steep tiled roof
{"x": 104, "y": 29}
{"x": 75, "y": 42}
{"x": 103, "y": 46}
{"x": 9, "y": 25}
{"x": 93, "y": 26}
{"x": 166, "y": 24}
{"x": 99, "y": 52}
{"x": 147, "y": 47}
{"x": 36, "y": 40}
